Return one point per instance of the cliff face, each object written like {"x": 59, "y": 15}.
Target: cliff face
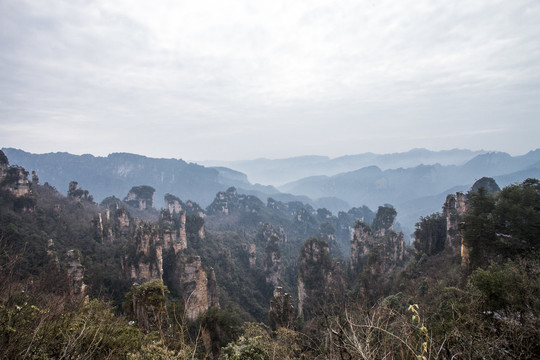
{"x": 15, "y": 180}
{"x": 321, "y": 282}
{"x": 198, "y": 288}
{"x": 281, "y": 312}
{"x": 376, "y": 253}
{"x": 229, "y": 202}
{"x": 79, "y": 194}
{"x": 141, "y": 197}
{"x": 75, "y": 274}
{"x": 173, "y": 227}
{"x": 145, "y": 254}
{"x": 454, "y": 209}
{"x": 272, "y": 260}
{"x": 380, "y": 250}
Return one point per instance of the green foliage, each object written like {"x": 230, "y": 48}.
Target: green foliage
{"x": 430, "y": 234}
{"x": 257, "y": 342}
{"x": 384, "y": 218}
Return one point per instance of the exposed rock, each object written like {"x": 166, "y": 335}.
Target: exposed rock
{"x": 361, "y": 244}
{"x": 384, "y": 220}
{"x": 4, "y": 164}
{"x": 229, "y": 202}
{"x": 52, "y": 254}
{"x": 380, "y": 251}
{"x": 281, "y": 314}
{"x": 173, "y": 225}
{"x": 197, "y": 288}
{"x": 272, "y": 259}
{"x": 140, "y": 197}
{"x": 122, "y": 217}
{"x": 173, "y": 204}
{"x": 79, "y": 194}
{"x": 148, "y": 305}
{"x": 15, "y": 180}
{"x": 321, "y": 282}
{"x": 75, "y": 274}
{"x": 252, "y": 255}
{"x": 487, "y": 183}
{"x": 146, "y": 262}
{"x": 35, "y": 178}
{"x": 454, "y": 209}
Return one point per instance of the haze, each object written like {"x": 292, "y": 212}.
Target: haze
{"x": 241, "y": 79}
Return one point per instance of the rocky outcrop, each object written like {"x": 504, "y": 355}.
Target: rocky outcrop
{"x": 15, "y": 180}
{"x": 4, "y": 164}
{"x": 52, "y": 255}
{"x": 75, "y": 274}
{"x": 229, "y": 202}
{"x": 146, "y": 262}
{"x": 281, "y": 314}
{"x": 454, "y": 209}
{"x": 377, "y": 248}
{"x": 140, "y": 197}
{"x": 197, "y": 287}
{"x": 148, "y": 305}
{"x": 79, "y": 194}
{"x": 487, "y": 183}
{"x": 173, "y": 204}
{"x": 252, "y": 255}
{"x": 321, "y": 281}
{"x": 173, "y": 228}
{"x": 272, "y": 259}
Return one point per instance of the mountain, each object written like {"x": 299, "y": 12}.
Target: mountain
{"x": 117, "y": 173}
{"x": 281, "y": 171}
{"x": 420, "y": 188}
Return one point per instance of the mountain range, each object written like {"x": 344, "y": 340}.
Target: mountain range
{"x": 414, "y": 182}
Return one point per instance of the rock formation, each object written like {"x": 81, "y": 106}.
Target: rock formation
{"x": 79, "y": 194}
{"x": 140, "y": 197}
{"x": 252, "y": 255}
{"x": 281, "y": 312}
{"x": 198, "y": 289}
{"x": 15, "y": 180}
{"x": 148, "y": 304}
{"x": 272, "y": 259}
{"x": 75, "y": 274}
{"x": 229, "y": 202}
{"x": 321, "y": 282}
{"x": 454, "y": 209}
{"x": 145, "y": 259}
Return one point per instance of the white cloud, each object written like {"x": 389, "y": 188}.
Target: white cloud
{"x": 248, "y": 79}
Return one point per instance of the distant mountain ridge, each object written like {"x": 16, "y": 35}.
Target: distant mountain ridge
{"x": 418, "y": 190}
{"x": 281, "y": 171}
{"x": 117, "y": 173}
{"x": 415, "y": 191}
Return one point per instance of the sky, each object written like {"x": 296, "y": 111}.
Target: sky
{"x": 231, "y": 80}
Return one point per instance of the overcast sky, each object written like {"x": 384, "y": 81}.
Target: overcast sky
{"x": 230, "y": 80}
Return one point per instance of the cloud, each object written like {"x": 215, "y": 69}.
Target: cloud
{"x": 247, "y": 79}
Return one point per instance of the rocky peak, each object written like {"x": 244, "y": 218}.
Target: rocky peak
{"x": 197, "y": 287}
{"x": 454, "y": 208}
{"x": 75, "y": 274}
{"x": 272, "y": 260}
{"x": 140, "y": 197}
{"x": 229, "y": 202}
{"x": 487, "y": 183}
{"x": 281, "y": 314}
{"x": 173, "y": 203}
{"x": 79, "y": 194}
{"x": 4, "y": 164}
{"x": 15, "y": 180}
{"x": 320, "y": 279}
{"x": 380, "y": 250}
{"x": 384, "y": 220}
